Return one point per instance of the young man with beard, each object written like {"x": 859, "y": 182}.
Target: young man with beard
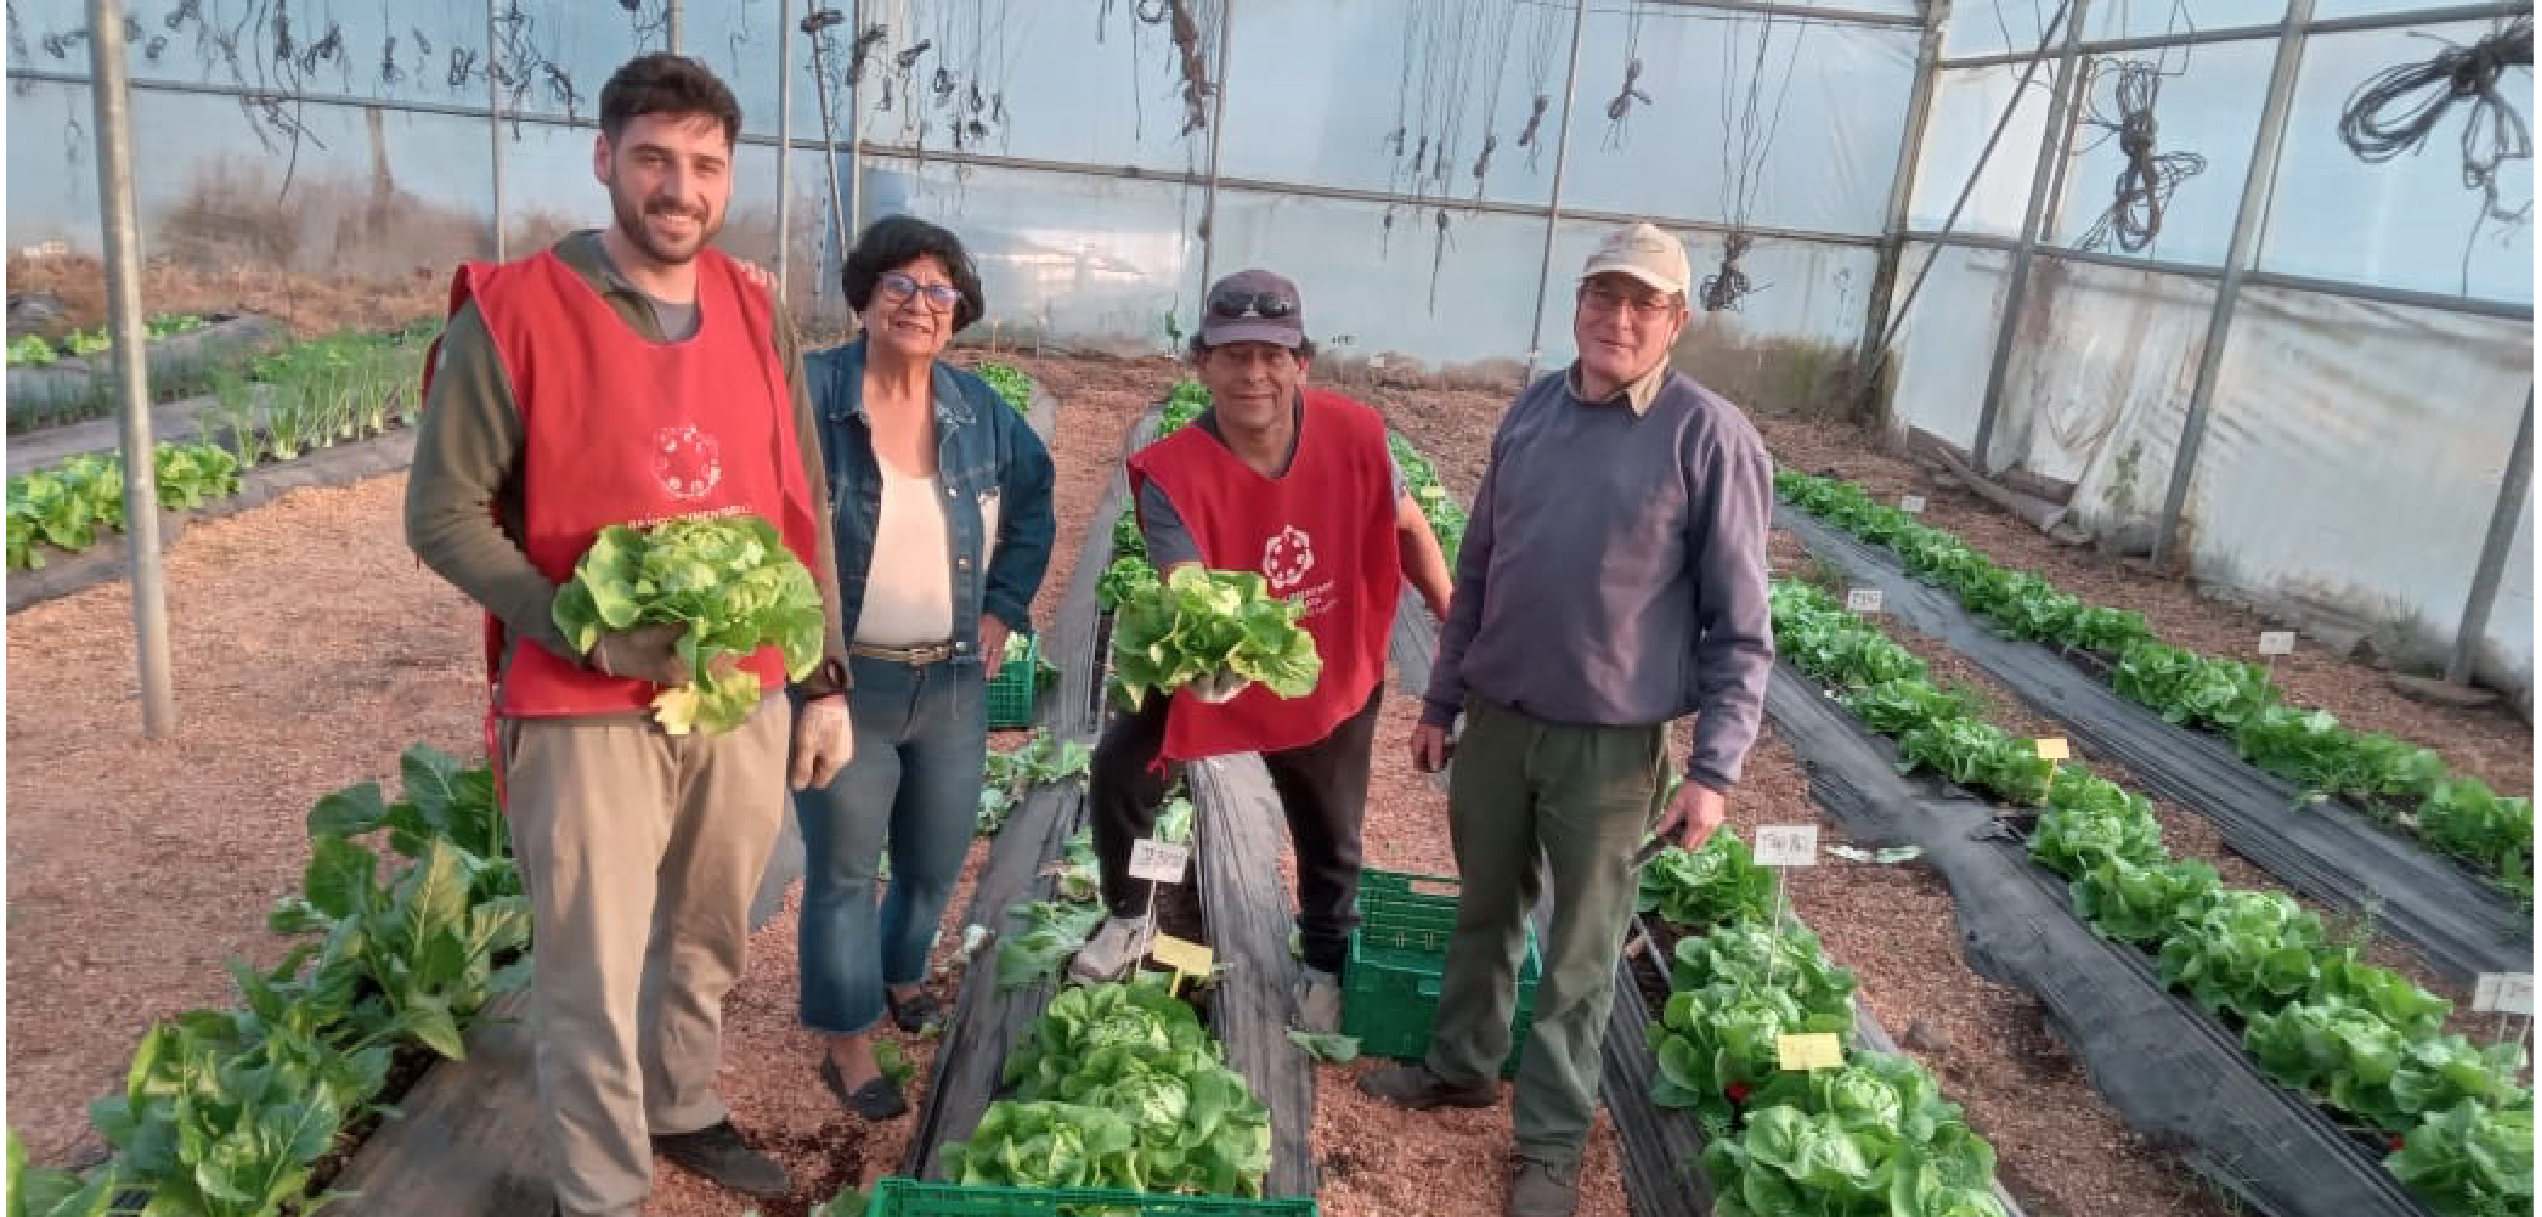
{"x": 619, "y": 377}
{"x": 1296, "y": 484}
{"x": 1612, "y": 580}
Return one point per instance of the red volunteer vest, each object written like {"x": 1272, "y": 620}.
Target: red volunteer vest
{"x": 618, "y": 430}
{"x": 1325, "y": 533}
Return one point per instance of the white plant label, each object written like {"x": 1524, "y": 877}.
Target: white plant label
{"x": 1912, "y": 504}
{"x": 2277, "y": 642}
{"x": 2504, "y": 992}
{"x": 1154, "y": 860}
{"x": 1787, "y": 845}
{"x": 1863, "y": 600}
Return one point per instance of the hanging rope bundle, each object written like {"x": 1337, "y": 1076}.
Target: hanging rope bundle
{"x": 2399, "y": 108}
{"x": 1722, "y": 290}
{"x": 2148, "y": 178}
{"x": 1176, "y": 16}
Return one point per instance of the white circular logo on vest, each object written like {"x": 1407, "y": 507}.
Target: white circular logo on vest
{"x": 688, "y": 462}
{"x": 1286, "y": 558}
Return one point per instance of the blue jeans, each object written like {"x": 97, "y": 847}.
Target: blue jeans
{"x": 921, "y": 736}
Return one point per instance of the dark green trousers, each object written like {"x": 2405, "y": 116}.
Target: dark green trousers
{"x": 1579, "y": 800}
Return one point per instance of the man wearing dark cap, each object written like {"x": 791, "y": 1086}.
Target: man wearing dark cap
{"x": 1612, "y": 580}
{"x": 1298, "y": 485}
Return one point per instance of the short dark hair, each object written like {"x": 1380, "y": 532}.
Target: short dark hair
{"x": 893, "y": 242}
{"x": 664, "y": 83}
{"x": 1305, "y": 348}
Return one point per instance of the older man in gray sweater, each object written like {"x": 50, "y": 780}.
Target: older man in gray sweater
{"x": 1613, "y": 580}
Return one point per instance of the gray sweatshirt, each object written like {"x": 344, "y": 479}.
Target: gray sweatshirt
{"x": 1614, "y": 569}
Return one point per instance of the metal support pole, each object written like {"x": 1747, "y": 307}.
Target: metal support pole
{"x": 2051, "y": 147}
{"x": 1884, "y": 279}
{"x": 2238, "y": 257}
{"x": 2493, "y": 550}
{"x": 855, "y": 142}
{"x": 829, "y": 139}
{"x": 120, "y": 224}
{"x": 785, "y": 145}
{"x": 1553, "y": 203}
{"x": 494, "y": 129}
{"x": 1217, "y": 143}
{"x": 671, "y": 26}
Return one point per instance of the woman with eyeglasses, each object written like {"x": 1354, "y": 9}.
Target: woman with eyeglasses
{"x": 941, "y": 507}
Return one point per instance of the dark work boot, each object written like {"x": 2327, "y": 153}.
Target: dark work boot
{"x": 718, "y": 1152}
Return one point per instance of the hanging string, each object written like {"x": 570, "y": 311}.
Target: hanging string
{"x": 2146, "y": 178}
{"x": 1744, "y": 150}
{"x": 1621, "y": 107}
{"x": 2396, "y": 110}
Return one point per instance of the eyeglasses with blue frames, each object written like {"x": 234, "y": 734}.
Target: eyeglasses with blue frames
{"x": 896, "y": 288}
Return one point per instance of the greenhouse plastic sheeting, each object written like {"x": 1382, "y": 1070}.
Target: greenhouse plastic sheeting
{"x": 1079, "y": 81}
{"x": 2410, "y": 222}
{"x": 1316, "y": 90}
{"x": 1750, "y": 119}
{"x": 2101, "y": 368}
{"x": 1937, "y": 364}
{"x": 1407, "y": 293}
{"x": 2207, "y": 102}
{"x": 1967, "y": 105}
{"x": 1787, "y": 346}
{"x": 2353, "y": 460}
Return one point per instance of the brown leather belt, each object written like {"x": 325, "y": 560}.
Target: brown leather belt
{"x": 913, "y": 656}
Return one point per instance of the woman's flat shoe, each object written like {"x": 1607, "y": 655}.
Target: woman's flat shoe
{"x": 915, "y": 1015}
{"x": 878, "y": 1099}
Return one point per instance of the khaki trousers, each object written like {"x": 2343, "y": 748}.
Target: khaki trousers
{"x": 641, "y": 852}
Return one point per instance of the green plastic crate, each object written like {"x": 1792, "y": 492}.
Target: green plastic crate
{"x": 1011, "y": 693}
{"x": 1390, "y": 992}
{"x": 910, "y": 1198}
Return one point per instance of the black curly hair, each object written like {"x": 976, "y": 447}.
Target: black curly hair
{"x": 893, "y": 242}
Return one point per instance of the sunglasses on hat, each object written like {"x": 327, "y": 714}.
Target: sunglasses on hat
{"x": 1271, "y": 306}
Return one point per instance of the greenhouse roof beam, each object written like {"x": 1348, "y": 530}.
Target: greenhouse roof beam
{"x": 2247, "y": 33}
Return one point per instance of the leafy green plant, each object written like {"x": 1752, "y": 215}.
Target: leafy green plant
{"x": 2242, "y": 953}
{"x": 2128, "y": 900}
{"x": 220, "y": 1117}
{"x": 2470, "y": 1161}
{"x": 1050, "y": 931}
{"x": 32, "y": 351}
{"x": 2361, "y": 1064}
{"x": 418, "y": 943}
{"x": 1717, "y": 1044}
{"x": 1125, "y": 579}
{"x": 728, "y": 579}
{"x": 1874, "y": 1138}
{"x": 1205, "y": 625}
{"x": 37, "y": 1191}
{"x": 1010, "y": 383}
{"x": 2090, "y": 821}
{"x": 1718, "y": 883}
{"x": 1761, "y": 955}
{"x": 1132, "y": 1054}
{"x": 1044, "y": 1145}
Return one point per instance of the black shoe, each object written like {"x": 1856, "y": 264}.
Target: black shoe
{"x": 878, "y": 1099}
{"x": 718, "y": 1152}
{"x": 915, "y": 1015}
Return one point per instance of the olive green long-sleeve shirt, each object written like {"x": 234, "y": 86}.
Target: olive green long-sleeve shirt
{"x": 463, "y": 495}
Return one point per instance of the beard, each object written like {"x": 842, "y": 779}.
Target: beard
{"x": 631, "y": 214}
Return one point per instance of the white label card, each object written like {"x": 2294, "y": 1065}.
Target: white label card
{"x": 1787, "y": 845}
{"x": 1863, "y": 600}
{"x": 2277, "y": 642}
{"x": 2504, "y": 992}
{"x": 1154, "y": 860}
{"x": 1912, "y": 504}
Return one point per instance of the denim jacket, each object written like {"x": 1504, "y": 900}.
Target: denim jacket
{"x": 985, "y": 452}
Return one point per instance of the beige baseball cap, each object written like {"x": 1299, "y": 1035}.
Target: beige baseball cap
{"x": 1645, "y": 252}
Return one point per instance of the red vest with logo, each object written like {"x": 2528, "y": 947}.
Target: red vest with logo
{"x": 1324, "y": 533}
{"x": 619, "y": 430}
